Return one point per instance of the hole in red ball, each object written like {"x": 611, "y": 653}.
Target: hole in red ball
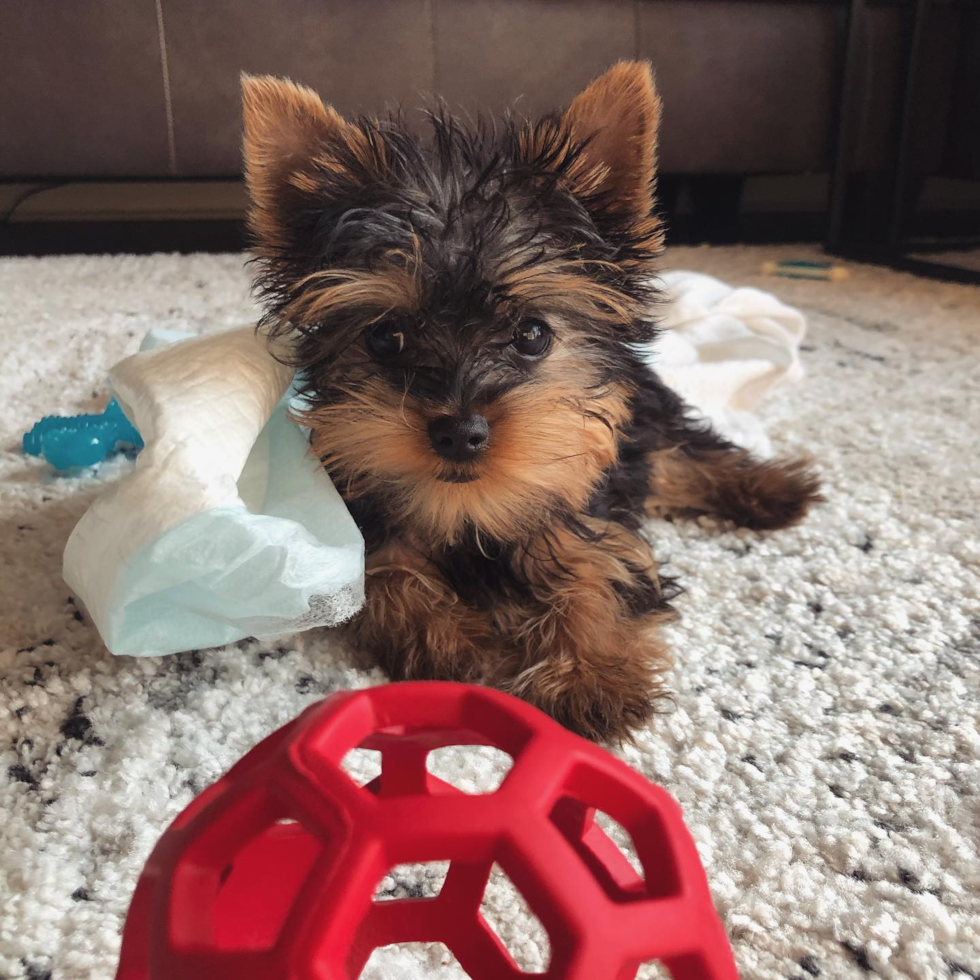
{"x": 512, "y": 920}
{"x": 415, "y": 881}
{"x": 620, "y": 836}
{"x": 631, "y": 858}
{"x": 653, "y": 970}
{"x": 431, "y": 960}
{"x": 362, "y": 765}
{"x": 474, "y": 769}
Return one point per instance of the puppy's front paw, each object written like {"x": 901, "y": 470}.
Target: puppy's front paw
{"x": 604, "y": 704}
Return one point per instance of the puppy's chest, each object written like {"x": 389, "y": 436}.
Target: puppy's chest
{"x": 484, "y": 579}
{"x": 506, "y": 584}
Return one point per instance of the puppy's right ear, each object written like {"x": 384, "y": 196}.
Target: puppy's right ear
{"x": 289, "y": 133}
{"x": 616, "y": 118}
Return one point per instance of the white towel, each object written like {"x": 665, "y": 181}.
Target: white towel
{"x": 722, "y": 348}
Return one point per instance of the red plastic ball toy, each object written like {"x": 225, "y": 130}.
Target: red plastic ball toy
{"x": 271, "y": 873}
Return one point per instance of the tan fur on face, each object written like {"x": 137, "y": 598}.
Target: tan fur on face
{"x": 550, "y": 443}
{"x": 560, "y": 287}
{"x": 373, "y": 292}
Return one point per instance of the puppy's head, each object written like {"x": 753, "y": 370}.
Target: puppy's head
{"x": 461, "y": 301}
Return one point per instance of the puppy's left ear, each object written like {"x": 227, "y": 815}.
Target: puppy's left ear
{"x": 617, "y": 116}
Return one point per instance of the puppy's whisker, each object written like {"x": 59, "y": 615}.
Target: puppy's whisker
{"x": 562, "y": 459}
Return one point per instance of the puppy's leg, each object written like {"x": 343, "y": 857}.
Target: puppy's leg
{"x": 693, "y": 470}
{"x": 730, "y": 483}
{"x": 414, "y": 626}
{"x": 588, "y": 652}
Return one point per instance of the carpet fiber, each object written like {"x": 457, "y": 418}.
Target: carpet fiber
{"x": 825, "y": 740}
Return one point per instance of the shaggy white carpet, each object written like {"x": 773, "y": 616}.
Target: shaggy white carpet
{"x": 825, "y": 740}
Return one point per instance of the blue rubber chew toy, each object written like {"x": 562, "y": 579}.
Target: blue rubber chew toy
{"x": 81, "y": 440}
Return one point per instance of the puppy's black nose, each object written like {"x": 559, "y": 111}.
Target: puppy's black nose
{"x": 459, "y": 439}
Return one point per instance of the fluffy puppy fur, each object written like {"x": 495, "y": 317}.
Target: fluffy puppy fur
{"x": 501, "y": 273}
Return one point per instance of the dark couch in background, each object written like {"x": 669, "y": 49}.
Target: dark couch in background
{"x": 149, "y": 88}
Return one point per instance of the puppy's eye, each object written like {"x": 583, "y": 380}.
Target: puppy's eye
{"x": 386, "y": 340}
{"x": 532, "y": 338}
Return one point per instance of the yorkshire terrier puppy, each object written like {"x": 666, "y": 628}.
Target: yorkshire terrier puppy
{"x": 466, "y": 305}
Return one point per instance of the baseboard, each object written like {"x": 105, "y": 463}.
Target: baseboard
{"x": 140, "y": 237}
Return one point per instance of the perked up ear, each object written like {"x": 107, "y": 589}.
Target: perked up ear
{"x": 619, "y": 114}
{"x": 287, "y": 129}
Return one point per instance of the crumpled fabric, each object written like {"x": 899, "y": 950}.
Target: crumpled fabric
{"x": 226, "y": 527}
{"x": 724, "y": 348}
